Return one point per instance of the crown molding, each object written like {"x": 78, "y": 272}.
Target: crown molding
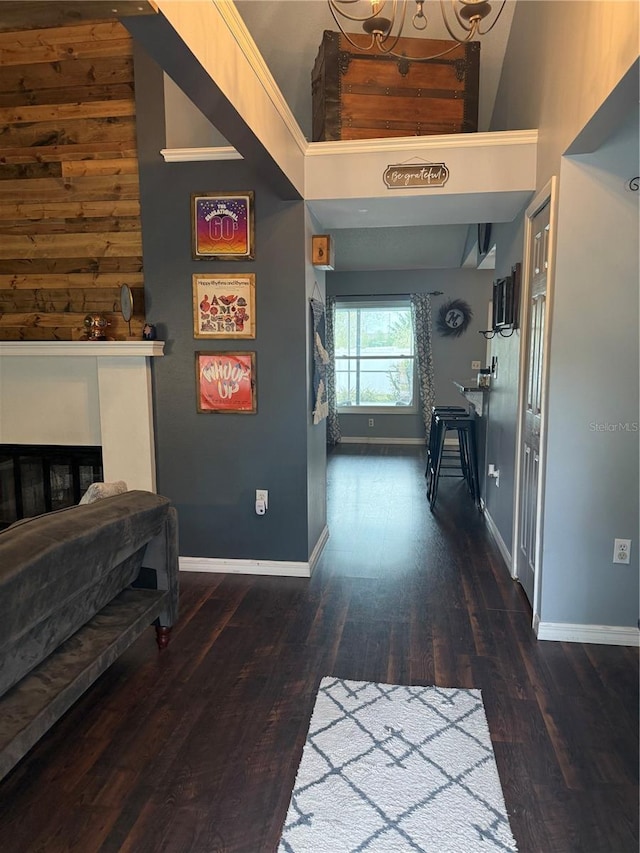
{"x": 423, "y": 143}
{"x": 187, "y": 155}
{"x": 247, "y": 45}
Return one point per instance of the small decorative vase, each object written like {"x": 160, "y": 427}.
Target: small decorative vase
{"x": 149, "y": 332}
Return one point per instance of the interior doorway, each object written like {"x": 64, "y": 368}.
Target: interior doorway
{"x": 540, "y": 224}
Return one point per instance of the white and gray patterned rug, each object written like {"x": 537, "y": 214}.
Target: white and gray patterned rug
{"x": 388, "y": 769}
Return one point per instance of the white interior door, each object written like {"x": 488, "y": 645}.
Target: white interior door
{"x": 529, "y": 487}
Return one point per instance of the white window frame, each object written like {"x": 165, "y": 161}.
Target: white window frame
{"x": 381, "y": 410}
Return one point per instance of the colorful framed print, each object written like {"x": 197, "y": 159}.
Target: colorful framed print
{"x": 222, "y": 225}
{"x": 224, "y": 306}
{"x": 226, "y": 382}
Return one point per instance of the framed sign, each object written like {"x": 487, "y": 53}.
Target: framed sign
{"x": 226, "y": 382}
{"x": 224, "y": 306}
{"x": 222, "y": 226}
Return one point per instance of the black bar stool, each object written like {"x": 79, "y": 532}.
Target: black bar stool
{"x": 465, "y": 427}
{"x": 454, "y": 411}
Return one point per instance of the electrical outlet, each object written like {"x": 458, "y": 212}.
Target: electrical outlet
{"x": 475, "y": 365}
{"x": 621, "y": 550}
{"x": 370, "y": 421}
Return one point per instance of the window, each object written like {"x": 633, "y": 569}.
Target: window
{"x": 374, "y": 356}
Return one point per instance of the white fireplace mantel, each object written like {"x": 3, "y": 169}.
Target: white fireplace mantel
{"x": 83, "y": 393}
{"x": 81, "y": 349}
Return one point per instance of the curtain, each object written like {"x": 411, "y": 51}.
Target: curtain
{"x": 421, "y": 315}
{"x": 333, "y": 425}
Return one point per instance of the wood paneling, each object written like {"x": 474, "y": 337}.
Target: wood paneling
{"x": 69, "y": 190}
{"x": 32, "y": 14}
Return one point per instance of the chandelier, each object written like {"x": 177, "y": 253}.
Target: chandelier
{"x": 384, "y": 21}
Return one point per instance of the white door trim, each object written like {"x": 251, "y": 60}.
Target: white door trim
{"x": 549, "y": 193}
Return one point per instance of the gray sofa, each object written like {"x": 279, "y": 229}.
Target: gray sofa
{"x": 77, "y": 587}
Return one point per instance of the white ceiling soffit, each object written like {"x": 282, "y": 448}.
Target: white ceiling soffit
{"x": 411, "y": 210}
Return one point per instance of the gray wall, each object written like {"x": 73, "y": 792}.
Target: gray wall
{"x": 452, "y": 356}
{"x": 592, "y": 482}
{"x": 211, "y": 464}
{"x": 591, "y": 493}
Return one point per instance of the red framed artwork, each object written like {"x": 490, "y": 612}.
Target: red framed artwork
{"x": 226, "y": 382}
{"x": 222, "y": 226}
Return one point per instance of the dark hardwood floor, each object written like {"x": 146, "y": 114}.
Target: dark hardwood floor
{"x": 196, "y": 748}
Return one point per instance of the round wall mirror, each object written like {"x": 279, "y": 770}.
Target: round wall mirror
{"x": 126, "y": 302}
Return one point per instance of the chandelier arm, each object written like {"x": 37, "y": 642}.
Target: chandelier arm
{"x": 495, "y": 21}
{"x": 334, "y": 5}
{"x": 382, "y": 43}
{"x": 466, "y": 27}
{"x": 470, "y": 31}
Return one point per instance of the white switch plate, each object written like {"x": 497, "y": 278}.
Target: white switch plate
{"x": 621, "y": 550}
{"x": 263, "y": 495}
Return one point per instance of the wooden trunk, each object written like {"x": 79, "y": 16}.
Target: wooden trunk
{"x": 368, "y": 95}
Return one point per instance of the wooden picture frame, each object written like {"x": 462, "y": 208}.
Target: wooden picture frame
{"x": 222, "y": 226}
{"x": 224, "y": 306}
{"x": 226, "y": 382}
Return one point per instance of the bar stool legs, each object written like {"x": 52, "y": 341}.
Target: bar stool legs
{"x": 465, "y": 427}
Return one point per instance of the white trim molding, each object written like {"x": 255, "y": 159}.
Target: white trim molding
{"x": 248, "y": 47}
{"x": 275, "y": 568}
{"x": 497, "y": 538}
{"x": 362, "y": 439}
{"x": 196, "y": 155}
{"x": 567, "y": 632}
{"x": 423, "y": 143}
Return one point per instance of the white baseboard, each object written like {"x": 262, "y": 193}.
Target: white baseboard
{"x": 363, "y": 439}
{"x": 276, "y": 568}
{"x": 497, "y": 538}
{"x": 566, "y": 632}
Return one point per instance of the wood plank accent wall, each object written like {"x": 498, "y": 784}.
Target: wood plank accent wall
{"x": 70, "y": 232}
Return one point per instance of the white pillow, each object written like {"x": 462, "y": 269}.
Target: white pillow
{"x": 103, "y": 490}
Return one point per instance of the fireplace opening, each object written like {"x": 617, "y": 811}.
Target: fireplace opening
{"x": 35, "y": 479}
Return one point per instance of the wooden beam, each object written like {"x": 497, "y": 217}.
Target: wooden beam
{"x": 81, "y": 151}
{"x": 102, "y": 130}
{"x": 100, "y": 188}
{"x": 109, "y": 244}
{"x": 27, "y": 80}
{"x": 66, "y": 112}
{"x": 87, "y": 168}
{"x": 69, "y": 209}
{"x": 73, "y": 280}
{"x": 55, "y": 13}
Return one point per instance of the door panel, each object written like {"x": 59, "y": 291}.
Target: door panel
{"x": 536, "y": 288}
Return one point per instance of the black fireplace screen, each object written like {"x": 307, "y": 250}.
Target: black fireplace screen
{"x": 36, "y": 479}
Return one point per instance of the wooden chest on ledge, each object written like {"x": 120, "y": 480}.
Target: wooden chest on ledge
{"x": 371, "y": 95}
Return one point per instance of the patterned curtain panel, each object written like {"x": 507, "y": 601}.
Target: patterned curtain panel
{"x": 333, "y": 426}
{"x": 421, "y": 314}
{"x": 320, "y": 362}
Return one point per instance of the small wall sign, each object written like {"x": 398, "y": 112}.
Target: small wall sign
{"x": 406, "y": 175}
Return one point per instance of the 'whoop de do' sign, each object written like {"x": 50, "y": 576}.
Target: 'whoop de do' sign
{"x": 407, "y": 175}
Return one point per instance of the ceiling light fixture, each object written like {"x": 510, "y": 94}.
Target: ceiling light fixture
{"x": 384, "y": 22}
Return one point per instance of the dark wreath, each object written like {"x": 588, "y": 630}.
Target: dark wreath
{"x": 454, "y": 317}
